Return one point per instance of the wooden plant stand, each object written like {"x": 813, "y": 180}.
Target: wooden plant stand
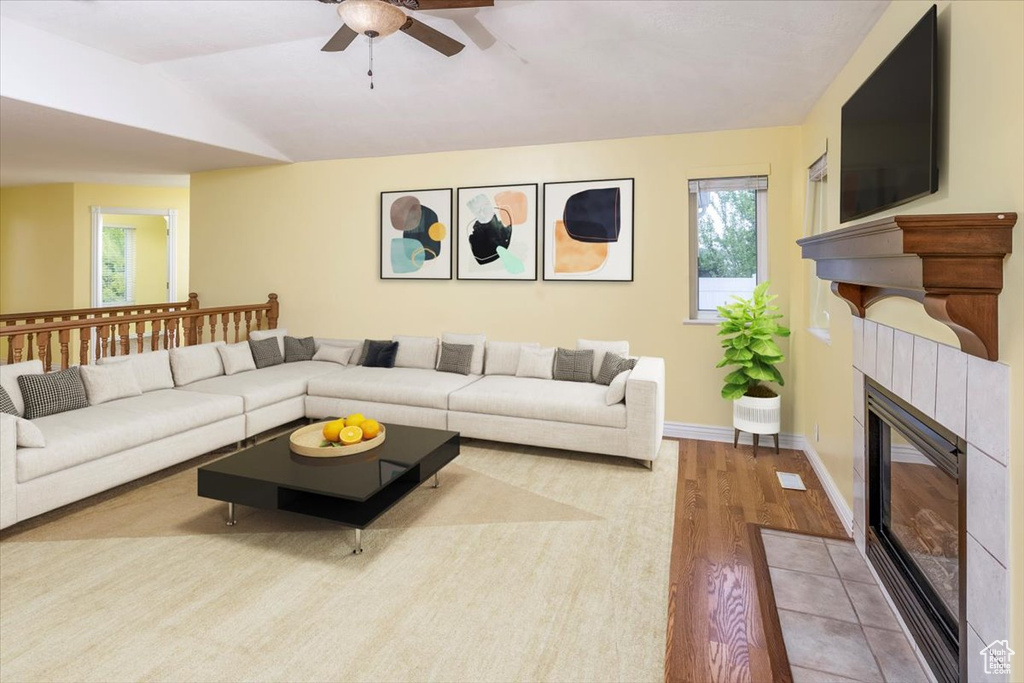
{"x": 736, "y": 440}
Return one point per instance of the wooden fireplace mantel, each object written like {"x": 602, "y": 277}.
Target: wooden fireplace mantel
{"x": 952, "y": 263}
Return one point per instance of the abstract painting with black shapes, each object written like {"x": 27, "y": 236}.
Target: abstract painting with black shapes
{"x": 420, "y": 250}
{"x": 497, "y": 232}
{"x": 588, "y": 230}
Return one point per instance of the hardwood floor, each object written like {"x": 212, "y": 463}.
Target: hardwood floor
{"x": 714, "y": 620}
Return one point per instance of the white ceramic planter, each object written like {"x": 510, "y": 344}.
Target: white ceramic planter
{"x": 757, "y": 415}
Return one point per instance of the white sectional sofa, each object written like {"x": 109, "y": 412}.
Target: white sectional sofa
{"x": 95, "y": 448}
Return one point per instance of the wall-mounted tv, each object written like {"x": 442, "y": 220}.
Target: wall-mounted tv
{"x": 889, "y": 128}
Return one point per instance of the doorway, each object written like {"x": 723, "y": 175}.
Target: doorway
{"x": 134, "y": 259}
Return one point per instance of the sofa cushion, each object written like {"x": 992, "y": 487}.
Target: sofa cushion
{"x": 297, "y": 349}
{"x": 52, "y": 393}
{"x": 612, "y": 365}
{"x": 574, "y": 366}
{"x": 380, "y": 354}
{"x": 105, "y": 383}
{"x": 477, "y": 340}
{"x": 152, "y": 368}
{"x": 80, "y": 436}
{"x": 9, "y": 375}
{"x": 540, "y": 399}
{"x": 402, "y": 386}
{"x": 265, "y": 353}
{"x": 536, "y": 362}
{"x": 266, "y": 386}
{"x": 236, "y": 358}
{"x": 502, "y": 358}
{"x": 416, "y": 352}
{"x": 193, "y": 363}
{"x": 602, "y": 347}
{"x": 334, "y": 354}
{"x": 457, "y": 358}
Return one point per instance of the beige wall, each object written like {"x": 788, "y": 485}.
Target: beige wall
{"x": 36, "y": 248}
{"x": 150, "y": 255}
{"x": 309, "y": 232}
{"x": 981, "y": 160}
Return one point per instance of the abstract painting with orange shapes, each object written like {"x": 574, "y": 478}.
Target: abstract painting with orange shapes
{"x": 588, "y": 230}
{"x": 497, "y": 232}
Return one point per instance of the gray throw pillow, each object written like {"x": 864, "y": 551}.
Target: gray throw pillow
{"x": 7, "y": 403}
{"x": 456, "y": 358}
{"x": 380, "y": 354}
{"x": 56, "y": 392}
{"x": 296, "y": 349}
{"x": 574, "y": 365}
{"x": 612, "y": 365}
{"x": 265, "y": 352}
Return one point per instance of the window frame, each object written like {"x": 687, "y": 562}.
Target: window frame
{"x": 726, "y": 183}
{"x": 815, "y": 220}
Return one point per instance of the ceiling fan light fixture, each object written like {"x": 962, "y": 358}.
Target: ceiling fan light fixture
{"x": 372, "y": 17}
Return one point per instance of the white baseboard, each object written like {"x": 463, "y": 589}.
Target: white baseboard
{"x": 682, "y": 430}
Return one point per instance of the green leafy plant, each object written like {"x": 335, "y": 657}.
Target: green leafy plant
{"x": 750, "y": 327}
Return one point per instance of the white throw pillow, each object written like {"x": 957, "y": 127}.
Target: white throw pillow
{"x": 416, "y": 352}
{"x": 602, "y": 347}
{"x": 336, "y": 354}
{"x": 29, "y": 435}
{"x": 502, "y": 358}
{"x": 476, "y": 367}
{"x": 193, "y": 363}
{"x": 617, "y": 389}
{"x": 344, "y": 343}
{"x": 280, "y": 333}
{"x": 236, "y": 358}
{"x": 536, "y": 362}
{"x": 152, "y": 368}
{"x": 9, "y": 375}
{"x": 109, "y": 382}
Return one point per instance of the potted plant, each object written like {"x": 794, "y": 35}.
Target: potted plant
{"x": 749, "y": 327}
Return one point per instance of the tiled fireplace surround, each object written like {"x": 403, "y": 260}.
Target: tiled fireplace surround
{"x": 970, "y": 397}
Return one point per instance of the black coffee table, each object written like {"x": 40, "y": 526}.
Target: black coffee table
{"x": 352, "y": 490}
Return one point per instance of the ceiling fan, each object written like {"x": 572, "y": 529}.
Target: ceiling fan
{"x": 381, "y": 18}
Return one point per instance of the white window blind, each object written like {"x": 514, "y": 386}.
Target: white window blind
{"x": 118, "y": 266}
{"x": 725, "y": 184}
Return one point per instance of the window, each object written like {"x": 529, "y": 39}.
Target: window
{"x": 815, "y": 214}
{"x": 118, "y": 266}
{"x": 727, "y": 241}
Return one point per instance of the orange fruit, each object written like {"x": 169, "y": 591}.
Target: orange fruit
{"x": 332, "y": 430}
{"x": 371, "y": 428}
{"x": 351, "y": 435}
{"x": 354, "y": 420}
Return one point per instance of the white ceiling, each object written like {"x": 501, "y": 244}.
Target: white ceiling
{"x": 533, "y": 71}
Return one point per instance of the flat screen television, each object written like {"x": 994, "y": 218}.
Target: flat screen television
{"x": 889, "y": 128}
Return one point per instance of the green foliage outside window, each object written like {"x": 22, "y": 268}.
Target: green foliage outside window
{"x": 115, "y": 266}
{"x": 727, "y": 234}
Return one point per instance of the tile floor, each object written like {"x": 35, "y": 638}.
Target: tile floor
{"x": 836, "y": 622}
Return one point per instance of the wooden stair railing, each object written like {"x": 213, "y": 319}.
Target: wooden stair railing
{"x": 115, "y": 335}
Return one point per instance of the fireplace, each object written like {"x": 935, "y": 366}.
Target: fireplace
{"x": 916, "y": 513}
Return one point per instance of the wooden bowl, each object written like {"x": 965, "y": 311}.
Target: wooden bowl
{"x": 307, "y": 440}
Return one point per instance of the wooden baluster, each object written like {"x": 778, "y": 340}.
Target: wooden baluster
{"x": 102, "y": 339}
{"x": 167, "y": 334}
{"x": 28, "y": 341}
{"x": 190, "y": 323}
{"x": 64, "y": 337}
{"x": 43, "y": 342}
{"x": 48, "y": 358}
{"x": 17, "y": 342}
{"x": 176, "y": 333}
{"x": 213, "y": 328}
{"x": 272, "y": 312}
{"x": 155, "y": 336}
{"x": 140, "y": 332}
{"x": 237, "y": 315}
{"x": 199, "y": 329}
{"x": 10, "y": 347}
{"x": 248, "y": 323}
{"x": 83, "y": 345}
{"x": 124, "y": 329}
{"x": 258, "y": 314}
{"x": 224, "y": 326}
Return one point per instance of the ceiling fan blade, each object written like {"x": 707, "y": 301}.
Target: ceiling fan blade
{"x": 444, "y": 4}
{"x": 340, "y": 40}
{"x": 432, "y": 38}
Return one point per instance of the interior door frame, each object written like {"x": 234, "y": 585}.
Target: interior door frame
{"x": 96, "y": 285}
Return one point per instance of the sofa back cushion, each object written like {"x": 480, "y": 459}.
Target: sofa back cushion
{"x": 279, "y": 334}
{"x": 265, "y": 352}
{"x": 296, "y": 349}
{"x": 152, "y": 369}
{"x": 9, "y": 375}
{"x": 193, "y": 363}
{"x": 56, "y": 392}
{"x": 537, "y": 363}
{"x": 416, "y": 352}
{"x": 574, "y": 366}
{"x": 109, "y": 382}
{"x": 236, "y": 358}
{"x": 478, "y": 341}
{"x": 502, "y": 358}
{"x": 600, "y": 348}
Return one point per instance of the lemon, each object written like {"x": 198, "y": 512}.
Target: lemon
{"x": 332, "y": 430}
{"x": 371, "y": 428}
{"x": 354, "y": 420}
{"x": 351, "y": 435}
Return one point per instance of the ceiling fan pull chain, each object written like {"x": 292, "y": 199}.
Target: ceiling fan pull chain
{"x": 370, "y": 72}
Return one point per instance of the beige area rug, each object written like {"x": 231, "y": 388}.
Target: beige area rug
{"x": 525, "y": 565}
